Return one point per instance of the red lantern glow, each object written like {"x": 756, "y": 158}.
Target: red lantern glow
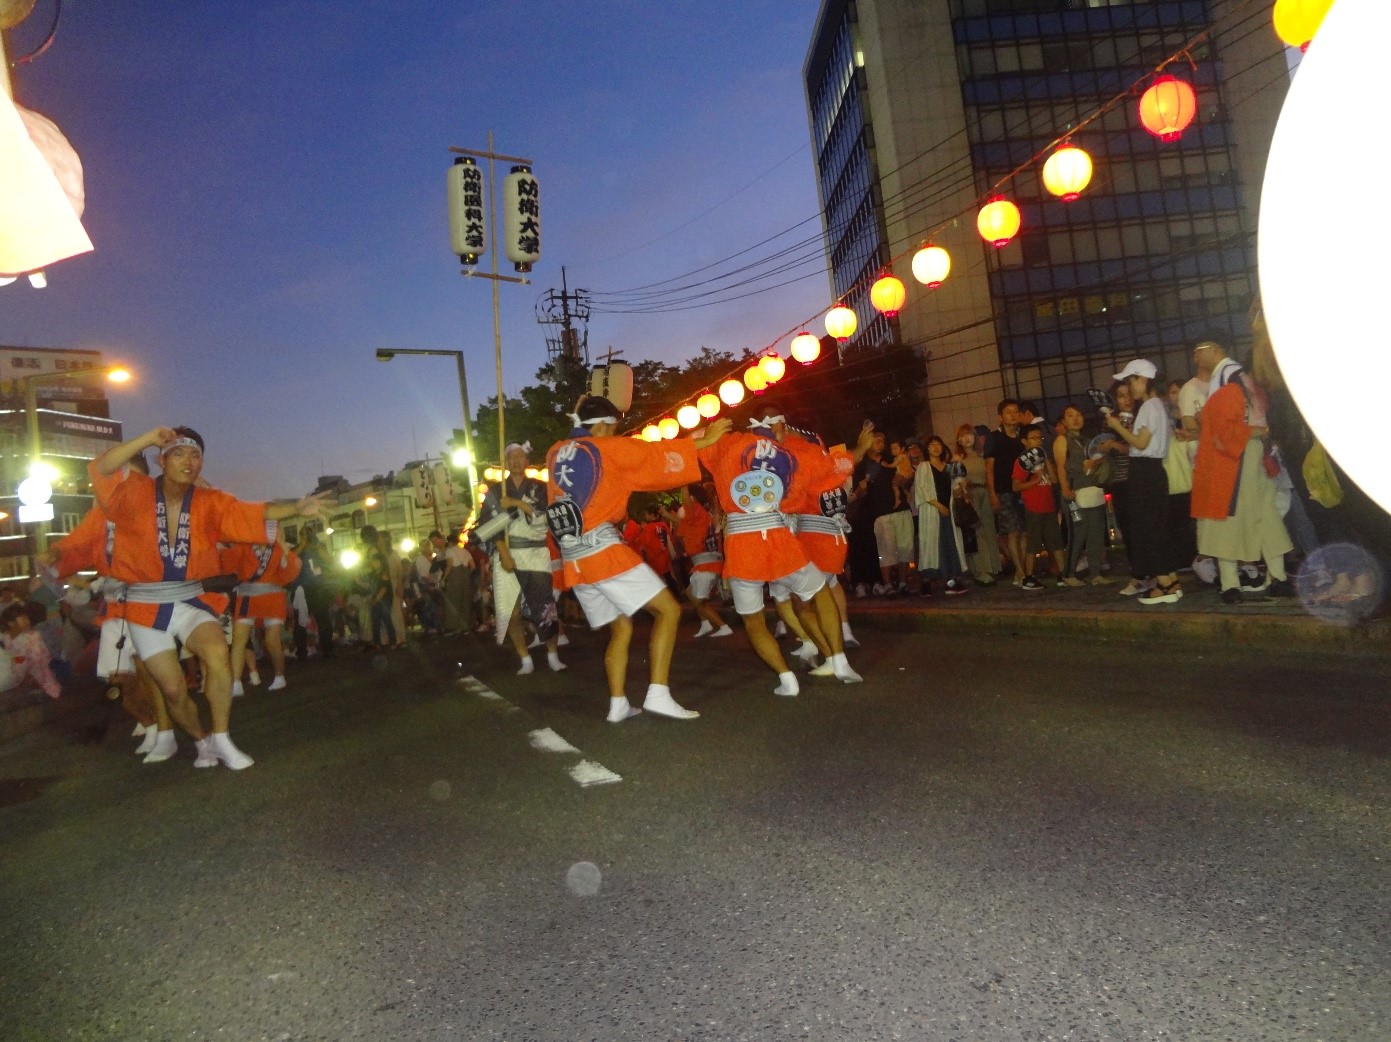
{"x": 887, "y": 294}
{"x": 998, "y": 222}
{"x": 806, "y": 348}
{"x": 1168, "y": 107}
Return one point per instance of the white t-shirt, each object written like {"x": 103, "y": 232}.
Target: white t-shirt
{"x": 458, "y": 557}
{"x": 1154, "y": 418}
{"x": 1192, "y": 396}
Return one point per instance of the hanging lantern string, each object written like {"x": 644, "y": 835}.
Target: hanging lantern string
{"x": 1184, "y": 52}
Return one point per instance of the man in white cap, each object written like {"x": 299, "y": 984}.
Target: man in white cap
{"x": 166, "y": 532}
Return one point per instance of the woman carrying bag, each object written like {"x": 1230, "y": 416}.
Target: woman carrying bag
{"x": 1083, "y": 498}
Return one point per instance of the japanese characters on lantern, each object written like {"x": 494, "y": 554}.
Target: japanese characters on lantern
{"x": 521, "y": 209}
{"x": 468, "y": 235}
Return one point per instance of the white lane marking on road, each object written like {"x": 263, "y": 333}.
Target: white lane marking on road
{"x": 548, "y": 741}
{"x": 588, "y": 773}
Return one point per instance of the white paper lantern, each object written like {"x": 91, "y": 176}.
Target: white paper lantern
{"x": 521, "y": 214}
{"x": 1321, "y": 257}
{"x": 468, "y": 225}
{"x": 34, "y": 491}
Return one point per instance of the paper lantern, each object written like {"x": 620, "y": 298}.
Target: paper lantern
{"x": 754, "y": 379}
{"x": 1321, "y": 278}
{"x": 668, "y": 427}
{"x": 708, "y": 405}
{"x": 731, "y": 392}
{"x": 841, "y": 322}
{"x": 1296, "y": 21}
{"x": 521, "y": 215}
{"x": 41, "y": 193}
{"x": 774, "y": 368}
{"x": 998, "y": 222}
{"x": 468, "y": 229}
{"x": 806, "y": 348}
{"x": 651, "y": 433}
{"x": 931, "y": 265}
{"x": 887, "y": 294}
{"x": 1067, "y": 172}
{"x": 1168, "y": 107}
{"x": 688, "y": 417}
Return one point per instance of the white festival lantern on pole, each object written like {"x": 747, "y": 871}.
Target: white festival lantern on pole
{"x": 41, "y": 194}
{"x": 1321, "y": 252}
{"x": 468, "y": 227}
{"x": 521, "y": 213}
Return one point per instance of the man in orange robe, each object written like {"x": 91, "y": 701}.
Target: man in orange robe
{"x": 591, "y": 475}
{"x": 263, "y": 570}
{"x": 754, "y": 474}
{"x": 165, "y": 545}
{"x": 699, "y": 536}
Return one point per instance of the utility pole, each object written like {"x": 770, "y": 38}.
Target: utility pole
{"x": 570, "y": 311}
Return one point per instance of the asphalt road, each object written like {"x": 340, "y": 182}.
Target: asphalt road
{"x": 988, "y": 840}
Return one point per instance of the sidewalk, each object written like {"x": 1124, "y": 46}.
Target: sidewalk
{"x": 1100, "y": 612}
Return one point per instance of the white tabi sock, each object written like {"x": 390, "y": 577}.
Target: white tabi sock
{"x": 841, "y": 665}
{"x": 620, "y": 710}
{"x": 787, "y": 685}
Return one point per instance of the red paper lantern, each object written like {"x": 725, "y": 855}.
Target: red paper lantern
{"x": 1168, "y": 107}
{"x": 1067, "y": 172}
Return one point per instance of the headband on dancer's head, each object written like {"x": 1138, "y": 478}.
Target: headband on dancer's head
{"x": 523, "y": 446}
{"x": 594, "y": 409}
{"x": 766, "y": 421}
{"x": 181, "y": 443}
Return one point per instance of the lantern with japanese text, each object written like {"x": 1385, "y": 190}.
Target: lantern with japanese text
{"x": 1168, "y": 107}
{"x": 806, "y": 348}
{"x": 841, "y": 322}
{"x": 1067, "y": 172}
{"x": 521, "y": 209}
{"x": 688, "y": 416}
{"x": 651, "y": 433}
{"x": 773, "y": 367}
{"x": 887, "y": 294}
{"x": 731, "y": 392}
{"x": 708, "y": 405}
{"x": 998, "y": 222}
{"x": 468, "y": 234}
{"x": 668, "y": 427}
{"x": 1296, "y": 21}
{"x": 754, "y": 379}
{"x": 931, "y": 265}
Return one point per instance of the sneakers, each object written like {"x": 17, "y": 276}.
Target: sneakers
{"x": 1031, "y": 584}
{"x": 1280, "y": 588}
{"x": 860, "y": 590}
{"x": 1160, "y": 594}
{"x": 880, "y": 589}
{"x": 956, "y": 587}
{"x": 1071, "y": 582}
{"x": 1135, "y": 587}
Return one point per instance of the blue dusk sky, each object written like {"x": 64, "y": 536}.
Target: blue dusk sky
{"x": 265, "y": 189}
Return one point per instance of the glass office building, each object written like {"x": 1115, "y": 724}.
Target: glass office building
{"x": 1158, "y": 250}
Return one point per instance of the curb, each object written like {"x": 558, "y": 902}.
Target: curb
{"x": 1289, "y": 633}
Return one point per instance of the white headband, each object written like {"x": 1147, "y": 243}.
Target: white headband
{"x": 179, "y": 443}
{"x": 524, "y": 446}
{"x": 767, "y": 421}
{"x": 592, "y": 420}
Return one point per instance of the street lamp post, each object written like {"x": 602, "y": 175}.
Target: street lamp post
{"x": 386, "y": 354}
{"x": 115, "y": 373}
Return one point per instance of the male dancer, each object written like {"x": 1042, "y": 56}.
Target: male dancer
{"x": 700, "y": 538}
{"x": 263, "y": 571}
{"x": 166, "y": 533}
{"x": 591, "y": 475}
{"x": 753, "y": 474}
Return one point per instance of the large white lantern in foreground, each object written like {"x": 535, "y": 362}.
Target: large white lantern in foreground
{"x": 1322, "y": 268}
{"x": 521, "y": 214}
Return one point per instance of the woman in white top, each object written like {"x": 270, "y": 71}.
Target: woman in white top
{"x": 1148, "y": 540}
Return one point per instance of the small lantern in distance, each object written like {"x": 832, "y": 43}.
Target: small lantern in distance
{"x": 1067, "y": 172}
{"x": 998, "y": 222}
{"x": 731, "y": 392}
{"x": 668, "y": 427}
{"x": 708, "y": 405}
{"x": 651, "y": 433}
{"x": 841, "y": 322}
{"x": 806, "y": 348}
{"x": 931, "y": 265}
{"x": 774, "y": 368}
{"x": 887, "y": 294}
{"x": 1168, "y": 107}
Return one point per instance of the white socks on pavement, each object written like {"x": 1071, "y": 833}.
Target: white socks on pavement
{"x": 139, "y": 731}
{"x": 278, "y": 684}
{"x": 659, "y": 701}
{"x": 806, "y": 652}
{"x": 620, "y": 710}
{"x": 705, "y": 628}
{"x": 787, "y": 685}
{"x": 255, "y": 678}
{"x": 237, "y": 689}
{"x": 846, "y": 637}
{"x": 527, "y": 667}
{"x": 843, "y": 672}
{"x": 163, "y": 748}
{"x": 218, "y": 748}
{"x": 151, "y": 733}
{"x": 553, "y": 660}
{"x": 723, "y": 631}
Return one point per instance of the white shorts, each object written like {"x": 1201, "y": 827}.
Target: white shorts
{"x": 832, "y": 580}
{"x": 150, "y": 642}
{"x": 111, "y": 659}
{"x": 267, "y": 623}
{"x": 806, "y": 582}
{"x": 622, "y": 594}
{"x": 893, "y": 533}
{"x": 703, "y": 584}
